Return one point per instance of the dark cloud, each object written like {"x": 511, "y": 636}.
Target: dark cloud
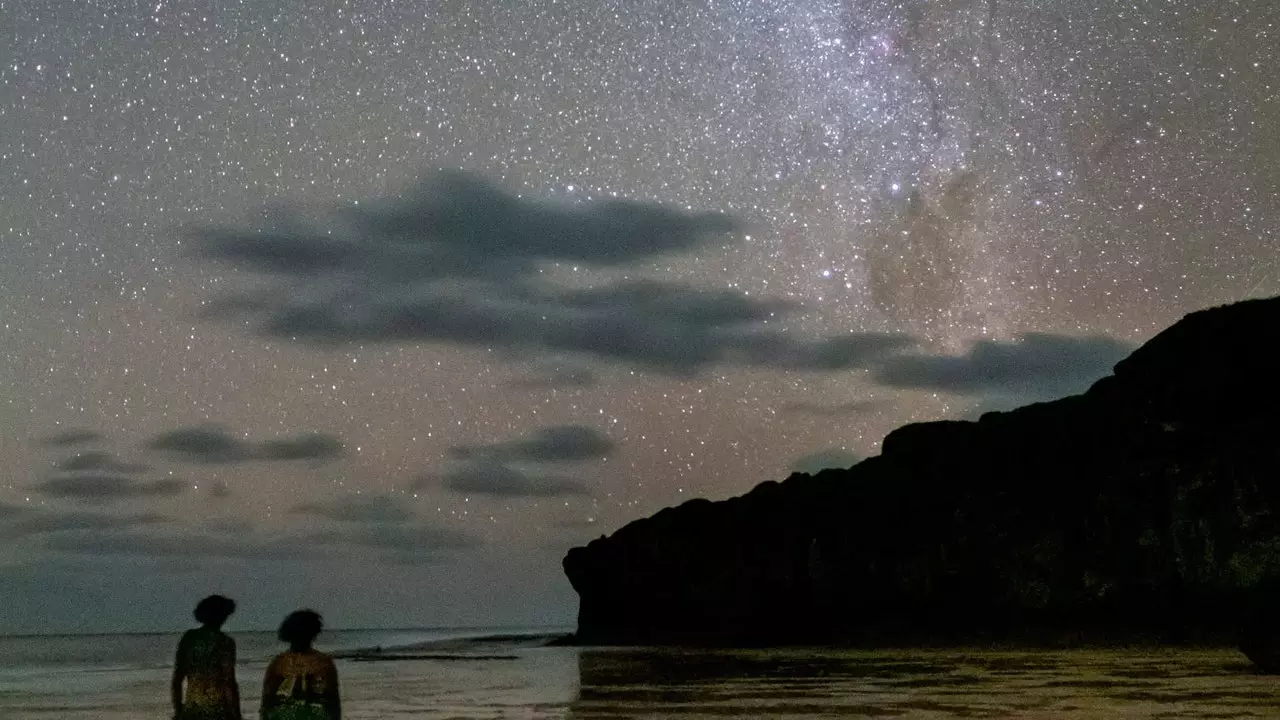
{"x": 472, "y": 217}
{"x": 561, "y": 443}
{"x": 230, "y": 526}
{"x": 387, "y": 524}
{"x": 314, "y": 446}
{"x": 491, "y": 478}
{"x": 212, "y": 444}
{"x": 402, "y": 544}
{"x": 821, "y": 460}
{"x": 209, "y": 444}
{"x": 1039, "y": 366}
{"x": 53, "y": 522}
{"x": 104, "y": 487}
{"x": 186, "y": 545}
{"x": 367, "y": 509}
{"x": 832, "y": 410}
{"x": 459, "y": 261}
{"x": 98, "y": 460}
{"x": 73, "y": 436}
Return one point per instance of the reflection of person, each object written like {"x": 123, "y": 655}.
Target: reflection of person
{"x": 206, "y": 663}
{"x": 302, "y": 683}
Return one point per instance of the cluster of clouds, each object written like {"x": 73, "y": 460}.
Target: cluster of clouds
{"x": 459, "y": 260}
{"x": 385, "y": 524}
{"x": 527, "y": 467}
{"x": 90, "y": 477}
{"x": 94, "y": 475}
{"x": 1039, "y": 366}
{"x": 212, "y": 444}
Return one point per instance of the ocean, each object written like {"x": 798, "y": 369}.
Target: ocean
{"x": 504, "y": 673}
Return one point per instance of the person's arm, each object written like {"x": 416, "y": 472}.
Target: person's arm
{"x": 270, "y": 683}
{"x": 179, "y": 675}
{"x": 229, "y": 676}
{"x": 334, "y": 699}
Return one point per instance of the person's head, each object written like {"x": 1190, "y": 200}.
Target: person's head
{"x": 214, "y": 610}
{"x": 300, "y": 628}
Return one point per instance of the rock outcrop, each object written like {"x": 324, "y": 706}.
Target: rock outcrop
{"x": 1144, "y": 510}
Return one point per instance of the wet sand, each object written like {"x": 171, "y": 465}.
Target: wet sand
{"x": 580, "y": 683}
{"x": 924, "y": 685}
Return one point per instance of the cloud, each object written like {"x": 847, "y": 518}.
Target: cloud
{"x": 72, "y": 436}
{"x": 211, "y": 444}
{"x": 464, "y": 213}
{"x": 230, "y": 526}
{"x": 386, "y": 524}
{"x": 833, "y": 410}
{"x": 44, "y": 521}
{"x": 108, "y": 488}
{"x": 1039, "y": 366}
{"x": 460, "y": 261}
{"x": 380, "y": 509}
{"x": 99, "y": 461}
{"x": 561, "y": 443}
{"x": 313, "y": 446}
{"x": 187, "y": 545}
{"x": 816, "y": 462}
{"x": 496, "y": 479}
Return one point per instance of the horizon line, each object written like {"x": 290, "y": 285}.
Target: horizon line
{"x": 110, "y": 633}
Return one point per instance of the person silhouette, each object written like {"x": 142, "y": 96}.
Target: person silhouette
{"x": 302, "y": 682}
{"x": 204, "y": 686}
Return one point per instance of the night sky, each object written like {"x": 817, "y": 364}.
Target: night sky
{"x": 380, "y": 307}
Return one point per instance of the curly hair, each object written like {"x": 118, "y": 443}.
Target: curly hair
{"x": 214, "y": 610}
{"x": 301, "y": 627}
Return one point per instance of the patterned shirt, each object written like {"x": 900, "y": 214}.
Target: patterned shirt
{"x": 301, "y": 686}
{"x": 207, "y": 661}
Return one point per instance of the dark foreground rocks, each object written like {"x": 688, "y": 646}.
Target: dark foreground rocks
{"x": 1145, "y": 510}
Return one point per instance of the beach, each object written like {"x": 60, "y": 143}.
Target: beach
{"x": 485, "y": 673}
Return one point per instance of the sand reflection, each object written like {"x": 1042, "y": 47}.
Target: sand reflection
{"x": 653, "y": 683}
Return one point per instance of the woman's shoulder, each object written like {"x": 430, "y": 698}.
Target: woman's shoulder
{"x": 315, "y": 657}
{"x": 190, "y": 636}
{"x": 300, "y": 656}
{"x": 207, "y": 637}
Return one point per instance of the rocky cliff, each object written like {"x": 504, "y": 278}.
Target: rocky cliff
{"x": 1145, "y": 510}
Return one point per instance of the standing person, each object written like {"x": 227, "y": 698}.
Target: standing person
{"x": 302, "y": 683}
{"x": 206, "y": 663}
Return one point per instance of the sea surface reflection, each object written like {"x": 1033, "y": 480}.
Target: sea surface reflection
{"x": 629, "y": 683}
{"x": 435, "y": 677}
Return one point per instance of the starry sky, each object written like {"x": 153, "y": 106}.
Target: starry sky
{"x": 381, "y": 306}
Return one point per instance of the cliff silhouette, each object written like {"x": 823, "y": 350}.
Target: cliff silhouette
{"x": 1145, "y": 510}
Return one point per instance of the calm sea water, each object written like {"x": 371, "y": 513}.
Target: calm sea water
{"x": 113, "y": 677}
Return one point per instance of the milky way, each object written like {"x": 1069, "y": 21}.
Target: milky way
{"x": 955, "y": 172}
